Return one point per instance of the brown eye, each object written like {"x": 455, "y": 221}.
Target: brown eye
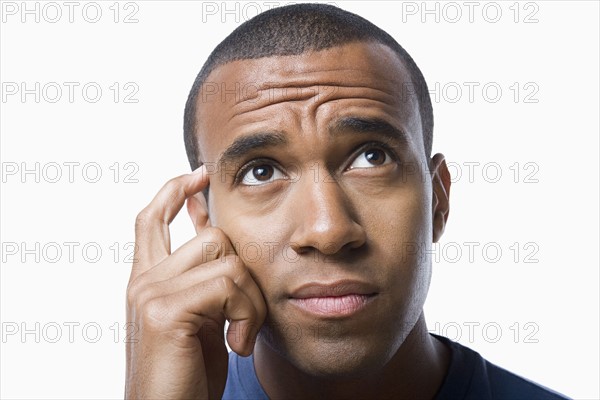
{"x": 261, "y": 174}
{"x": 373, "y": 157}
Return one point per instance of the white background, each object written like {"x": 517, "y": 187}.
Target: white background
{"x": 538, "y": 319}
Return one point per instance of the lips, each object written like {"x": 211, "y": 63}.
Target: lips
{"x": 331, "y": 300}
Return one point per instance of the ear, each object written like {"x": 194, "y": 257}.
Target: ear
{"x": 198, "y": 211}
{"x": 440, "y": 180}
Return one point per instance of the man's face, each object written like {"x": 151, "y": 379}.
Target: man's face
{"x": 324, "y": 190}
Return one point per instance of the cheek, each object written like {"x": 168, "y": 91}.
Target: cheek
{"x": 399, "y": 232}
{"x": 259, "y": 239}
{"x": 408, "y": 227}
{"x": 399, "y": 217}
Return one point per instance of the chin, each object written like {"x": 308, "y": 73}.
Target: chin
{"x": 325, "y": 353}
{"x": 341, "y": 361}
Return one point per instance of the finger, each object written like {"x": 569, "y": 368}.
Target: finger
{"x": 203, "y": 300}
{"x": 210, "y": 244}
{"x": 153, "y": 242}
{"x": 198, "y": 212}
{"x": 230, "y": 266}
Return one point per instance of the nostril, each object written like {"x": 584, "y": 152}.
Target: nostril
{"x": 327, "y": 248}
{"x": 297, "y": 247}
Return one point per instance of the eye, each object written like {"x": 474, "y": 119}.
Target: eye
{"x": 261, "y": 174}
{"x": 372, "y": 157}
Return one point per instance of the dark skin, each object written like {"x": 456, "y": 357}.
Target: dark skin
{"x": 334, "y": 193}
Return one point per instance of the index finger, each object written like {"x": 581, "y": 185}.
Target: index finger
{"x": 152, "y": 238}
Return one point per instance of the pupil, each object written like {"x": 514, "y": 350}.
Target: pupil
{"x": 376, "y": 157}
{"x": 263, "y": 173}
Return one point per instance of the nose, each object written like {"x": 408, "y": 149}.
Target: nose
{"x": 325, "y": 219}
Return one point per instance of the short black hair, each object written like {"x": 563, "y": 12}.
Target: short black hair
{"x": 293, "y": 30}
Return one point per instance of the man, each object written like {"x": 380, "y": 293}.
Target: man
{"x": 309, "y": 130}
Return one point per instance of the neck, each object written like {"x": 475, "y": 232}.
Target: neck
{"x": 417, "y": 370}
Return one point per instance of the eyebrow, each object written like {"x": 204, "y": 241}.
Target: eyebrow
{"x": 261, "y": 140}
{"x": 370, "y": 125}
{"x": 246, "y": 144}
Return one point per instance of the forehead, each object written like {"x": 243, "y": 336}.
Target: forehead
{"x": 368, "y": 78}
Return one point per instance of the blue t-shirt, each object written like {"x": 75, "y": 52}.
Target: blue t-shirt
{"x": 469, "y": 376}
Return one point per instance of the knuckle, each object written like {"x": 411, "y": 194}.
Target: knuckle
{"x": 172, "y": 185}
{"x": 226, "y": 284}
{"x": 214, "y": 235}
{"x": 173, "y": 189}
{"x": 154, "y": 312}
{"x": 143, "y": 220}
{"x": 131, "y": 295}
{"x": 236, "y": 268}
{"x": 214, "y": 242}
{"x": 135, "y": 297}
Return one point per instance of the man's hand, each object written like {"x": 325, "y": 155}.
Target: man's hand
{"x": 179, "y": 302}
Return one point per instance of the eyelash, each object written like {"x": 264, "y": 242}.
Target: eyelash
{"x": 381, "y": 145}
{"x": 239, "y": 177}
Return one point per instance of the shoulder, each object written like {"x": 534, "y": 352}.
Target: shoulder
{"x": 470, "y": 376}
{"x": 507, "y": 385}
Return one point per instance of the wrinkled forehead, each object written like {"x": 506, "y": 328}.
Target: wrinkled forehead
{"x": 236, "y": 92}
